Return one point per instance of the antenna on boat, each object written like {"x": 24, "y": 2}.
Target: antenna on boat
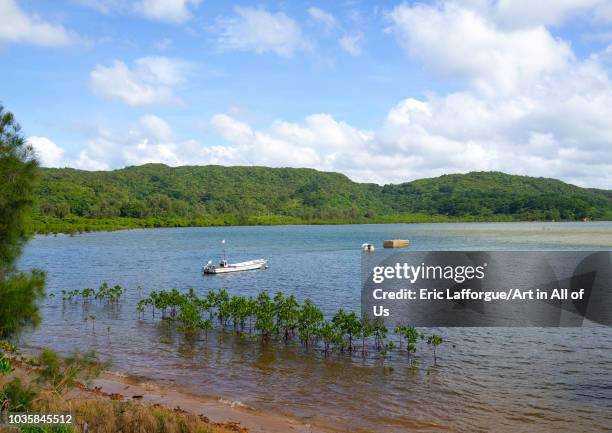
{"x": 223, "y": 242}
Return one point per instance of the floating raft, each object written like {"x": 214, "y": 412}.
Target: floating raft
{"x": 396, "y": 243}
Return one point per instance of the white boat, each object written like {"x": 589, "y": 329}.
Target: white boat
{"x": 225, "y": 267}
{"x": 368, "y": 248}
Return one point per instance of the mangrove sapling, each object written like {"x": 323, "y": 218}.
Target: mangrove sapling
{"x": 205, "y": 325}
{"x": 239, "y": 311}
{"x": 87, "y": 293}
{"x": 264, "y": 316}
{"x": 189, "y": 320}
{"x": 102, "y": 291}
{"x": 410, "y": 335}
{"x": 434, "y": 340}
{"x": 351, "y": 327}
{"x": 141, "y": 305}
{"x": 154, "y": 298}
{"x": 399, "y": 331}
{"x": 211, "y": 302}
{"x": 388, "y": 347}
{"x": 328, "y": 334}
{"x": 93, "y": 323}
{"x": 380, "y": 332}
{"x": 309, "y": 320}
{"x": 251, "y": 307}
{"x": 222, "y": 305}
{"x": 202, "y": 304}
{"x": 366, "y": 329}
{"x": 191, "y": 295}
{"x": 277, "y": 303}
{"x": 287, "y": 316}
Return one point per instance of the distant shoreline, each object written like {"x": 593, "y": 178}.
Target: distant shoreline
{"x": 77, "y": 225}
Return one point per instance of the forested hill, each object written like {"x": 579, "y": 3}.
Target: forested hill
{"x": 158, "y": 195}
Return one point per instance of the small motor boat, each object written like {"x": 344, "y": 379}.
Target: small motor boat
{"x": 368, "y": 248}
{"x": 225, "y": 267}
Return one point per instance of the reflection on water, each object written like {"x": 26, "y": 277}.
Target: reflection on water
{"x": 487, "y": 379}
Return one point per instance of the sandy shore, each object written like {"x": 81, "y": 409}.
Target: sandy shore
{"x": 234, "y": 416}
{"x": 219, "y": 411}
{"x": 119, "y": 386}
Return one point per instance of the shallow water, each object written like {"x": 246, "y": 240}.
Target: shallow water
{"x": 486, "y": 379}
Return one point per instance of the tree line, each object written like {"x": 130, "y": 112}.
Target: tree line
{"x": 155, "y": 195}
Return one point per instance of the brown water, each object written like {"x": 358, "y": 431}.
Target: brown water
{"x": 532, "y": 379}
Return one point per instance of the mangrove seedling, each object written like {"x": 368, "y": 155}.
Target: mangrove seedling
{"x": 310, "y": 318}
{"x": 434, "y": 340}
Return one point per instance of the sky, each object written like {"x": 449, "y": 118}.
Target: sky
{"x": 383, "y": 92}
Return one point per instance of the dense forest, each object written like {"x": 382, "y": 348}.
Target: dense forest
{"x": 155, "y": 195}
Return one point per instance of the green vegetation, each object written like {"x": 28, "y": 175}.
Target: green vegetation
{"x": 280, "y": 319}
{"x": 19, "y": 396}
{"x": 155, "y": 195}
{"x": 19, "y": 291}
{"x": 53, "y": 385}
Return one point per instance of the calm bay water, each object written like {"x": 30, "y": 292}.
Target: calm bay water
{"x": 487, "y": 379}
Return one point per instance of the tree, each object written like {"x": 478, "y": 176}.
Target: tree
{"x": 434, "y": 340}
{"x": 329, "y": 335}
{"x": 410, "y": 335}
{"x": 288, "y": 314}
{"x": 264, "y": 317}
{"x": 366, "y": 330}
{"x": 310, "y": 317}
{"x": 380, "y": 332}
{"x": 19, "y": 291}
{"x": 349, "y": 324}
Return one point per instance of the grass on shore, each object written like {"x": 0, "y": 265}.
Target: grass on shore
{"x": 102, "y": 415}
{"x": 49, "y": 384}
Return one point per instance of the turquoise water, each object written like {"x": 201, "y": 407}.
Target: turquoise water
{"x": 501, "y": 379}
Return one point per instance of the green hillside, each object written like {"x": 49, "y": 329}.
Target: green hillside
{"x": 155, "y": 195}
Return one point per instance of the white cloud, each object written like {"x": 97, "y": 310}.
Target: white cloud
{"x": 525, "y": 104}
{"x": 151, "y": 139}
{"x": 528, "y": 13}
{"x": 455, "y": 42}
{"x": 260, "y": 31}
{"x": 525, "y": 13}
{"x": 172, "y": 11}
{"x": 325, "y": 18}
{"x": 18, "y": 27}
{"x": 48, "y": 153}
{"x": 157, "y": 127}
{"x": 150, "y": 81}
{"x": 231, "y": 129}
{"x": 351, "y": 43}
{"x": 529, "y": 105}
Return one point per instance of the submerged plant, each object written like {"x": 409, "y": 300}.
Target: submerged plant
{"x": 434, "y": 340}
{"x": 309, "y": 321}
{"x": 277, "y": 319}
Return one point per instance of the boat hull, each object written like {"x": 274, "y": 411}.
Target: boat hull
{"x": 237, "y": 267}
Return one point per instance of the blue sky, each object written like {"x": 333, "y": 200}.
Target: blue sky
{"x": 384, "y": 92}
